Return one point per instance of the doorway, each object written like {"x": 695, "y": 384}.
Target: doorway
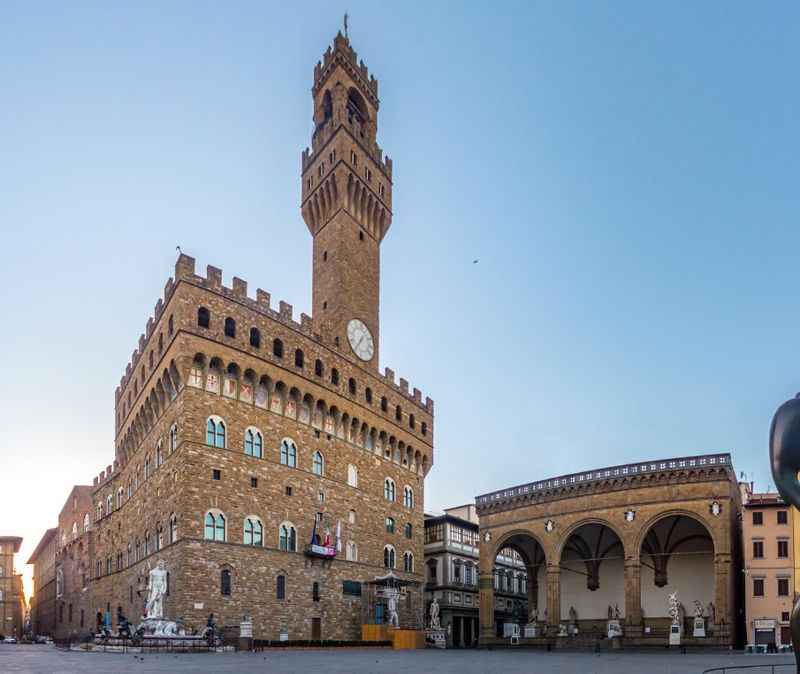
{"x": 316, "y": 629}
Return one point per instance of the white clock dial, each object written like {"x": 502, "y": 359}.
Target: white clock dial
{"x": 360, "y": 339}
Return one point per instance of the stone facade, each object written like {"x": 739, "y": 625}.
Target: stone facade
{"x": 768, "y": 554}
{"x": 12, "y": 599}
{"x": 236, "y": 424}
{"x": 620, "y": 539}
{"x": 75, "y": 611}
{"x": 43, "y": 601}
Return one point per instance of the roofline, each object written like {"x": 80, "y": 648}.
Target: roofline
{"x": 46, "y": 537}
{"x": 16, "y": 540}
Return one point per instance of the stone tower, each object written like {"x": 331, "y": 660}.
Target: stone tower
{"x": 346, "y": 202}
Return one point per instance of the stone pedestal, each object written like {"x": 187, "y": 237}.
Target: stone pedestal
{"x": 699, "y": 627}
{"x": 613, "y": 629}
{"x": 531, "y": 631}
{"x": 674, "y": 635}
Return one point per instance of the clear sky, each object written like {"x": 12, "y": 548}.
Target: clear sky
{"x": 626, "y": 174}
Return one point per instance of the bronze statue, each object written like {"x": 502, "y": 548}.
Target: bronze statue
{"x": 784, "y": 458}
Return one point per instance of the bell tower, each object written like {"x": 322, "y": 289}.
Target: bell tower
{"x": 346, "y": 202}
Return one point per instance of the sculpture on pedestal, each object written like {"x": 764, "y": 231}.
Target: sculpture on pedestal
{"x": 435, "y": 625}
{"x": 784, "y": 455}
{"x": 157, "y": 590}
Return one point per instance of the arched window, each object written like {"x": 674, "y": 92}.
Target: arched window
{"x": 86, "y": 523}
{"x": 159, "y": 537}
{"x": 170, "y": 325}
{"x": 351, "y": 386}
{"x": 160, "y": 344}
{"x": 398, "y": 413}
{"x": 287, "y": 537}
{"x": 253, "y": 531}
{"x": 109, "y": 503}
{"x": 203, "y": 317}
{"x": 317, "y": 463}
{"x": 280, "y": 587}
{"x": 335, "y": 377}
{"x": 351, "y": 552}
{"x": 230, "y": 327}
{"x": 411, "y": 422}
{"x": 225, "y": 583}
{"x": 147, "y": 550}
{"x": 408, "y": 497}
{"x": 215, "y": 526}
{"x": 146, "y": 471}
{"x": 408, "y": 562}
{"x": 298, "y": 358}
{"x": 288, "y": 453}
{"x": 352, "y": 475}
{"x": 368, "y": 395}
{"x": 215, "y": 432}
{"x": 424, "y": 428}
{"x": 388, "y": 557}
{"x": 255, "y": 338}
{"x": 173, "y": 438}
{"x": 389, "y": 489}
{"x": 173, "y": 528}
{"x": 409, "y": 530}
{"x": 277, "y": 348}
{"x": 315, "y": 591}
{"x": 253, "y": 443}
{"x": 389, "y": 525}
{"x": 384, "y": 404}
{"x": 318, "y": 367}
{"x": 120, "y": 493}
{"x": 159, "y": 454}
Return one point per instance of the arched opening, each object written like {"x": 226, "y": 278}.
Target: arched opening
{"x": 357, "y": 113}
{"x": 520, "y": 584}
{"x": 592, "y": 583}
{"x": 677, "y": 555}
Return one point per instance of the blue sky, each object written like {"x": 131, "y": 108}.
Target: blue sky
{"x": 626, "y": 174}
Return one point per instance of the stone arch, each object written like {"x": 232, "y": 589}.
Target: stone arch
{"x": 678, "y": 551}
{"x": 591, "y": 560}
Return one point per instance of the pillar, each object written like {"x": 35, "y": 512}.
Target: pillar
{"x": 633, "y": 597}
{"x": 553, "y": 598}
{"x": 723, "y": 627}
{"x": 486, "y": 593}
{"x": 533, "y": 591}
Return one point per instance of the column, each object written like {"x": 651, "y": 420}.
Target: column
{"x": 553, "y": 598}
{"x": 533, "y": 591}
{"x": 486, "y": 592}
{"x": 461, "y": 643}
{"x": 633, "y": 597}
{"x": 722, "y": 592}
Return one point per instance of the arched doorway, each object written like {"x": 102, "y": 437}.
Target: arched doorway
{"x": 677, "y": 555}
{"x": 519, "y": 583}
{"x": 592, "y": 578}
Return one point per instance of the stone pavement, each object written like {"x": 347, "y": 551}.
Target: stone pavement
{"x": 48, "y": 660}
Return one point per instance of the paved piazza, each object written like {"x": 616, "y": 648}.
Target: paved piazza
{"x": 47, "y": 660}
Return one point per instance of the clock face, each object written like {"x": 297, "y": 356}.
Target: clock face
{"x": 360, "y": 339}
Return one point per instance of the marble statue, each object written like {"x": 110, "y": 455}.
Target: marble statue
{"x": 610, "y": 612}
{"x": 573, "y": 615}
{"x": 157, "y": 591}
{"x": 616, "y": 612}
{"x": 674, "y": 611}
{"x": 784, "y": 456}
{"x": 698, "y": 609}
{"x": 394, "y": 619}
{"x": 435, "y": 625}
{"x": 712, "y": 613}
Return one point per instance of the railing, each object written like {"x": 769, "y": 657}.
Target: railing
{"x": 772, "y": 668}
{"x": 628, "y": 469}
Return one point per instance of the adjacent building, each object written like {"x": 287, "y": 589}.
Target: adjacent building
{"x": 266, "y": 460}
{"x": 451, "y": 577}
{"x": 769, "y": 559}
{"x": 614, "y": 543}
{"x": 43, "y": 601}
{"x": 12, "y": 597}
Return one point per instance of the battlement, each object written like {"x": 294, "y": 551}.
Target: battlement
{"x": 106, "y": 475}
{"x": 321, "y": 137}
{"x": 343, "y": 54}
{"x": 185, "y": 271}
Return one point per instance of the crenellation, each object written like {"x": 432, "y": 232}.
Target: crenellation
{"x": 239, "y": 287}
{"x": 285, "y": 311}
{"x": 149, "y": 329}
{"x": 184, "y": 267}
{"x": 404, "y": 385}
{"x": 263, "y": 300}
{"x": 159, "y": 308}
{"x": 306, "y": 324}
{"x": 429, "y": 405}
{"x": 141, "y": 343}
{"x": 417, "y": 396}
{"x": 389, "y": 376}
{"x": 214, "y": 277}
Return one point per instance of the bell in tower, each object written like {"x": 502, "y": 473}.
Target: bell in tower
{"x": 346, "y": 202}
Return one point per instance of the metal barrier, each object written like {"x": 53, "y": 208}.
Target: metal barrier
{"x": 771, "y": 668}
